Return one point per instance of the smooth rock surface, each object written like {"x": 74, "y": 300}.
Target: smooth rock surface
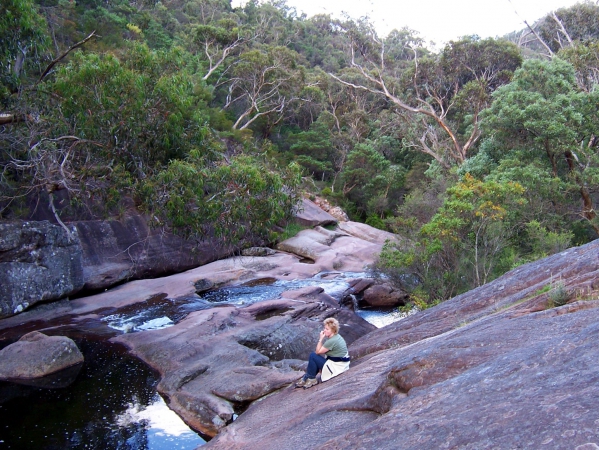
{"x": 216, "y": 362}
{"x": 494, "y": 368}
{"x": 36, "y": 355}
{"x": 384, "y": 295}
{"x": 309, "y": 214}
{"x": 118, "y": 250}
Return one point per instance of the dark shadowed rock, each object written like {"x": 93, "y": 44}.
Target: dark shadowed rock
{"x": 38, "y": 262}
{"x": 36, "y": 355}
{"x": 115, "y": 251}
{"x": 497, "y": 367}
{"x": 203, "y": 285}
{"x": 384, "y": 295}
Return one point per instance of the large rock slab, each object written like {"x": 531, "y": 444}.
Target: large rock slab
{"x": 36, "y": 355}
{"x": 310, "y": 215}
{"x": 384, "y": 295}
{"x": 216, "y": 362}
{"x": 497, "y": 367}
{"x": 118, "y": 250}
{"x": 38, "y": 262}
{"x": 366, "y": 232}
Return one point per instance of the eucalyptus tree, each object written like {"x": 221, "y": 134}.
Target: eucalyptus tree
{"x": 566, "y": 26}
{"x": 543, "y": 118}
{"x": 263, "y": 83}
{"x": 443, "y": 94}
{"x": 23, "y": 36}
{"x": 463, "y": 244}
{"x": 584, "y": 57}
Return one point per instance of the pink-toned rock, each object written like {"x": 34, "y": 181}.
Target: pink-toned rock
{"x": 310, "y": 243}
{"x": 217, "y": 361}
{"x": 359, "y": 285}
{"x": 496, "y": 367}
{"x": 334, "y": 211}
{"x": 310, "y": 215}
{"x": 36, "y": 355}
{"x": 338, "y": 214}
{"x": 366, "y": 232}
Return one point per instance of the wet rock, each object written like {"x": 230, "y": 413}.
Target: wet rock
{"x": 260, "y": 349}
{"x": 39, "y": 262}
{"x": 203, "y": 285}
{"x": 36, "y": 355}
{"x": 217, "y": 361}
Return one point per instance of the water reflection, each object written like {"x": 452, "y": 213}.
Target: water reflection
{"x": 164, "y": 429}
{"x": 90, "y": 412}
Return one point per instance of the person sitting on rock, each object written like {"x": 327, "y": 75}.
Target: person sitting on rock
{"x": 333, "y": 346}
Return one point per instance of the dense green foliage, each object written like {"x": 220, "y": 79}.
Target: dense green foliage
{"x": 481, "y": 156}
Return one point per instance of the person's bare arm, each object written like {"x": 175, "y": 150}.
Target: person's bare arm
{"x": 321, "y": 349}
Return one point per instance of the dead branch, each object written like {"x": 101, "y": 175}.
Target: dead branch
{"x": 562, "y": 27}
{"x": 551, "y": 54}
{"x": 57, "y": 217}
{"x": 57, "y": 60}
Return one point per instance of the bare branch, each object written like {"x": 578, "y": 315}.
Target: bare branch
{"x": 57, "y": 60}
{"x": 562, "y": 28}
{"x": 551, "y": 54}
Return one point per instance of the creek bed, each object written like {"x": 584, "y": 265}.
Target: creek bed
{"x": 110, "y": 401}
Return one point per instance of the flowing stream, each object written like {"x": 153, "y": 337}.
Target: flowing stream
{"x": 110, "y": 401}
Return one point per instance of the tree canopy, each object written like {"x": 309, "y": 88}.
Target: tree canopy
{"x": 213, "y": 120}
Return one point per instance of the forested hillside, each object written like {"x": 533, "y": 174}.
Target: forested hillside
{"x": 213, "y": 119}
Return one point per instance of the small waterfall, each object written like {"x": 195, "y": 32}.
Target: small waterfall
{"x": 354, "y": 301}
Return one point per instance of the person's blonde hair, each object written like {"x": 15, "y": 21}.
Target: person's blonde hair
{"x": 333, "y": 324}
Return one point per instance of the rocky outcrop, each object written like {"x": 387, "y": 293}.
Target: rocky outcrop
{"x": 384, "y": 295}
{"x": 217, "y": 362}
{"x": 366, "y": 232}
{"x": 309, "y": 214}
{"x": 38, "y": 262}
{"x": 511, "y": 364}
{"x": 118, "y": 250}
{"x": 334, "y": 211}
{"x": 498, "y": 367}
{"x": 310, "y": 243}
{"x": 257, "y": 251}
{"x": 36, "y": 355}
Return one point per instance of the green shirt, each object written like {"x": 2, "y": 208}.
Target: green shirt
{"x": 336, "y": 345}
